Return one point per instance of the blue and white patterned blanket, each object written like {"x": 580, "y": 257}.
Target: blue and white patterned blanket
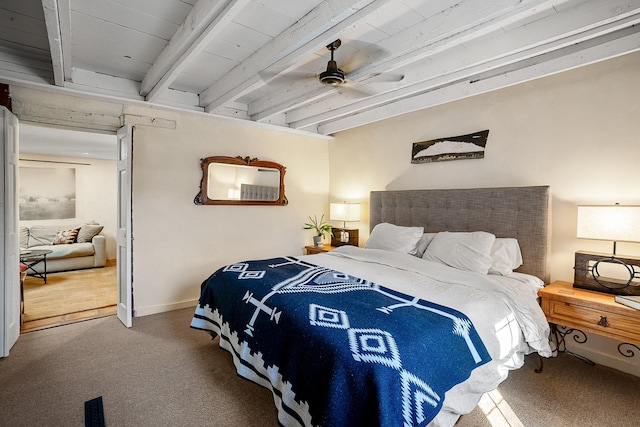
{"x": 336, "y": 350}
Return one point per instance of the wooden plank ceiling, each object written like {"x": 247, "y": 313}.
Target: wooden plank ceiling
{"x": 260, "y": 60}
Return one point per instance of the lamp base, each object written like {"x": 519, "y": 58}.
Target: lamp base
{"x": 344, "y": 236}
{"x": 586, "y": 273}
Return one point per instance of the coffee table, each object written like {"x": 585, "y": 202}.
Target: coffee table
{"x": 31, "y": 258}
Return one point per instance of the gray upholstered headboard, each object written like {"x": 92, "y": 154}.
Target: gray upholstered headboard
{"x": 519, "y": 212}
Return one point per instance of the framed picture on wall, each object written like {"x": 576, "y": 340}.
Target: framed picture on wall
{"x": 47, "y": 193}
{"x": 469, "y": 146}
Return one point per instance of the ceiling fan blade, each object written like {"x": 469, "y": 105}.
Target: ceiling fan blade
{"x": 277, "y": 79}
{"x": 381, "y": 83}
{"x": 334, "y": 76}
{"x": 352, "y": 91}
{"x": 356, "y": 54}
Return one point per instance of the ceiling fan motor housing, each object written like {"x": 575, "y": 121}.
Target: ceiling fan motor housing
{"x": 333, "y": 76}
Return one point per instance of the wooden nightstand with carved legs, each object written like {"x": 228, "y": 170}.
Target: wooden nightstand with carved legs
{"x": 579, "y": 310}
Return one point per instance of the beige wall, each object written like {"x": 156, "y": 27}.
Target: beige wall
{"x": 96, "y": 192}
{"x": 177, "y": 244}
{"x": 576, "y": 131}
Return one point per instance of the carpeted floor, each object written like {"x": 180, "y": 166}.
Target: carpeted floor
{"x": 159, "y": 373}
{"x": 162, "y": 373}
{"x": 567, "y": 393}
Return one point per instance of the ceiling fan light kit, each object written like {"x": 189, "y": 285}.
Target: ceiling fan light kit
{"x": 333, "y": 76}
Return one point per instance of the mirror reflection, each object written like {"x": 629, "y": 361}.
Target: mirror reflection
{"x": 239, "y": 182}
{"x": 243, "y": 181}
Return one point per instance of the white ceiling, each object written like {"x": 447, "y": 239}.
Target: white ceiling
{"x": 259, "y": 60}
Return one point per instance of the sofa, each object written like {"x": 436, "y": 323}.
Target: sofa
{"x": 72, "y": 248}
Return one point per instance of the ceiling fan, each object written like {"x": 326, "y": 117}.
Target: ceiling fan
{"x": 333, "y": 76}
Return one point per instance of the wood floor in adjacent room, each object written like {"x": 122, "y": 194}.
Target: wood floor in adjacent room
{"x": 69, "y": 297}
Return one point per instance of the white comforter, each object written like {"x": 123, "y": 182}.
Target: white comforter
{"x": 503, "y": 309}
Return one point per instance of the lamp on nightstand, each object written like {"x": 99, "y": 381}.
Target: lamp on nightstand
{"x": 345, "y": 212}
{"x": 617, "y": 224}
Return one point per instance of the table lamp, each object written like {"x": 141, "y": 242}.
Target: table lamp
{"x": 345, "y": 212}
{"x": 613, "y": 223}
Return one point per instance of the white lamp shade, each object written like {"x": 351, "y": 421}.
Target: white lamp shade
{"x": 613, "y": 223}
{"x": 344, "y": 211}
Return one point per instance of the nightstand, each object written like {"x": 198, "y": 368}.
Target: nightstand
{"x": 590, "y": 311}
{"x": 336, "y": 237}
{"x": 311, "y": 250}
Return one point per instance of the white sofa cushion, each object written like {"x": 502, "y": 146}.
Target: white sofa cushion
{"x": 24, "y": 237}
{"x": 43, "y": 234}
{"x": 67, "y": 251}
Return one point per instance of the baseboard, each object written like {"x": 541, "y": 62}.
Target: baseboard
{"x": 604, "y": 351}
{"x": 155, "y": 309}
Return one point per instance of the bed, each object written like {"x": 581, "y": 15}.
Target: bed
{"x": 410, "y": 330}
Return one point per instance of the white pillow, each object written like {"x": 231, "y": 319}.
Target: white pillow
{"x": 464, "y": 251}
{"x": 394, "y": 238}
{"x": 423, "y": 243}
{"x": 505, "y": 256}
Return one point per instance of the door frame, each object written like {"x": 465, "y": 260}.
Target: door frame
{"x": 124, "y": 235}
{"x": 124, "y": 226}
{"x": 9, "y": 244}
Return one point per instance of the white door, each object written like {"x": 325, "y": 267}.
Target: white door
{"x": 9, "y": 249}
{"x": 124, "y": 240}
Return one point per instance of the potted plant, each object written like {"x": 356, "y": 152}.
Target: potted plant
{"x": 320, "y": 228}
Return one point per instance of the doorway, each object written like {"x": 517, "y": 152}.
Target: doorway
{"x": 71, "y": 295}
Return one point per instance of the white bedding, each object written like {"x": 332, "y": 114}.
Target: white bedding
{"x": 503, "y": 309}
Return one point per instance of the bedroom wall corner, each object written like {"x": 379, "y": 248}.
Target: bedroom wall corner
{"x": 576, "y": 131}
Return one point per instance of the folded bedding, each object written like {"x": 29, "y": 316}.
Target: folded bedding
{"x": 371, "y": 337}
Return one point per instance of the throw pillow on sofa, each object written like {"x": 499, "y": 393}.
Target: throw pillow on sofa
{"x": 66, "y": 237}
{"x": 87, "y": 231}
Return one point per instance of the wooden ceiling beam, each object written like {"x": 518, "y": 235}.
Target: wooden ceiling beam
{"x": 318, "y": 28}
{"x": 487, "y": 53}
{"x": 204, "y": 22}
{"x": 58, "y": 23}
{"x": 465, "y": 21}
{"x": 573, "y": 56}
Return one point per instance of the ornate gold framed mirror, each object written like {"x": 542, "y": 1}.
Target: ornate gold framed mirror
{"x": 241, "y": 181}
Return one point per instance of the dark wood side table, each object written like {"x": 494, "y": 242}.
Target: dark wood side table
{"x": 337, "y": 234}
{"x": 595, "y": 312}
{"x": 311, "y": 250}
